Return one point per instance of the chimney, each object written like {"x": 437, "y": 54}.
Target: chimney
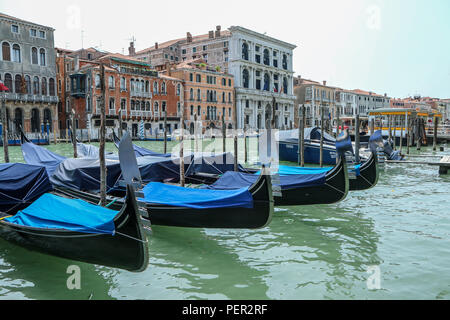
{"x": 211, "y": 34}
{"x": 156, "y": 46}
{"x": 131, "y": 49}
{"x": 218, "y": 31}
{"x": 324, "y": 82}
{"x": 189, "y": 37}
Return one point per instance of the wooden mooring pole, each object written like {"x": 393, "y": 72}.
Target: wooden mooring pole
{"x": 74, "y": 135}
{"x": 435, "y": 133}
{"x": 165, "y": 132}
{"x": 301, "y": 137}
{"x": 5, "y": 130}
{"x": 322, "y": 119}
{"x": 357, "y": 138}
{"x": 102, "y": 138}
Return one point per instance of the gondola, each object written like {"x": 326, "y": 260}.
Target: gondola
{"x": 67, "y": 227}
{"x": 368, "y": 174}
{"x": 299, "y": 189}
{"x": 250, "y": 208}
{"x": 140, "y": 151}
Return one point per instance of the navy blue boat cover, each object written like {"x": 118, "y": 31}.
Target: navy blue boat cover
{"x": 90, "y": 151}
{"x": 212, "y": 163}
{"x": 84, "y": 174}
{"x": 40, "y": 156}
{"x": 142, "y": 152}
{"x": 159, "y": 193}
{"x": 54, "y": 212}
{"x": 234, "y": 180}
{"x": 20, "y": 185}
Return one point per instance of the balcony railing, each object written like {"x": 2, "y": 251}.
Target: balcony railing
{"x": 141, "y": 94}
{"x": 33, "y": 98}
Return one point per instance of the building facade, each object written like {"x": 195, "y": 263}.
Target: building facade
{"x": 133, "y": 91}
{"x": 261, "y": 66}
{"x": 208, "y": 95}
{"x": 28, "y": 69}
{"x": 314, "y": 95}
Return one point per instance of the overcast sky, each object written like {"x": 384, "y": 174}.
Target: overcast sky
{"x": 398, "y": 47}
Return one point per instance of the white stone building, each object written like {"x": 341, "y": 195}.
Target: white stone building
{"x": 262, "y": 69}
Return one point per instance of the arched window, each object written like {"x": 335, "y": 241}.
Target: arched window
{"x": 192, "y": 110}
{"x": 147, "y": 86}
{"x": 42, "y": 58}
{"x": 44, "y": 86}
{"x": 199, "y": 95}
{"x": 178, "y": 89}
{"x": 163, "y": 88}
{"x": 48, "y": 119}
{"x": 191, "y": 94}
{"x": 51, "y": 86}
{"x": 245, "y": 78}
{"x": 34, "y": 56}
{"x": 35, "y": 120}
{"x": 132, "y": 105}
{"x": 111, "y": 82}
{"x": 155, "y": 87}
{"x": 147, "y": 106}
{"x": 28, "y": 85}
{"x": 9, "y": 81}
{"x": 16, "y": 53}
{"x": 266, "y": 58}
{"x": 132, "y": 87}
{"x": 285, "y": 85}
{"x": 142, "y": 86}
{"x": 138, "y": 106}
{"x": 266, "y": 82}
{"x": 285, "y": 62}
{"x": 18, "y": 118}
{"x": 35, "y": 85}
{"x": 6, "y": 51}
{"x": 207, "y": 113}
{"x": 123, "y": 84}
{"x": 156, "y": 106}
{"x": 18, "y": 84}
{"x": 245, "y": 51}
{"x": 223, "y": 97}
{"x": 97, "y": 81}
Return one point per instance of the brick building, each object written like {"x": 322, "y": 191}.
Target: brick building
{"x": 208, "y": 94}
{"x": 132, "y": 88}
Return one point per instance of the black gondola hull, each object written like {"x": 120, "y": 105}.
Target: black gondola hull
{"x": 221, "y": 218}
{"x": 127, "y": 249}
{"x": 334, "y": 190}
{"x": 368, "y": 177}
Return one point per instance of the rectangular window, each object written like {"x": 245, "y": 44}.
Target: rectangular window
{"x": 42, "y": 34}
{"x": 15, "y": 28}
{"x": 205, "y": 48}
{"x": 258, "y": 58}
{"x": 33, "y": 32}
{"x": 194, "y": 49}
{"x": 199, "y": 78}
{"x": 183, "y": 51}
{"x": 258, "y": 84}
{"x": 191, "y": 77}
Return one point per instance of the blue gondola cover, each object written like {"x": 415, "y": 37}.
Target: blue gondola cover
{"x": 54, "y": 212}
{"x": 40, "y": 156}
{"x": 233, "y": 180}
{"x": 21, "y": 184}
{"x": 159, "y": 193}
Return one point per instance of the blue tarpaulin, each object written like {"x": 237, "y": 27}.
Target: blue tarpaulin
{"x": 54, "y": 212}
{"x": 233, "y": 180}
{"x": 142, "y": 152}
{"x": 84, "y": 174}
{"x": 40, "y": 156}
{"x": 159, "y": 193}
{"x": 289, "y": 170}
{"x": 20, "y": 185}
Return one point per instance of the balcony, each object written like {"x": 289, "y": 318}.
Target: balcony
{"x": 30, "y": 98}
{"x": 141, "y": 94}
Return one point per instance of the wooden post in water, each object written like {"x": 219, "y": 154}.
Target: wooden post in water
{"x": 418, "y": 142}
{"x": 301, "y": 137}
{"x": 245, "y": 144}
{"x": 235, "y": 134}
{"x": 372, "y": 126}
{"x": 165, "y": 132}
{"x": 338, "y": 124}
{"x": 224, "y": 134}
{"x": 5, "y": 129}
{"x": 321, "y": 134}
{"x": 357, "y": 138}
{"x": 435, "y": 133}
{"x": 102, "y": 137}
{"x": 395, "y": 132}
{"x": 74, "y": 136}
{"x": 401, "y": 135}
{"x": 120, "y": 124}
{"x": 182, "y": 181}
{"x": 390, "y": 128}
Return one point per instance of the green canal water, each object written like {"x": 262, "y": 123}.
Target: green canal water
{"x": 390, "y": 242}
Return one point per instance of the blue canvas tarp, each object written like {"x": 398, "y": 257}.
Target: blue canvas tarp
{"x": 142, "y": 152}
{"x": 289, "y": 170}
{"x": 40, "y": 156}
{"x": 159, "y": 169}
{"x": 159, "y": 193}
{"x": 212, "y": 163}
{"x": 53, "y": 212}
{"x": 84, "y": 174}
{"x": 234, "y": 180}
{"x": 92, "y": 152}
{"x": 20, "y": 185}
